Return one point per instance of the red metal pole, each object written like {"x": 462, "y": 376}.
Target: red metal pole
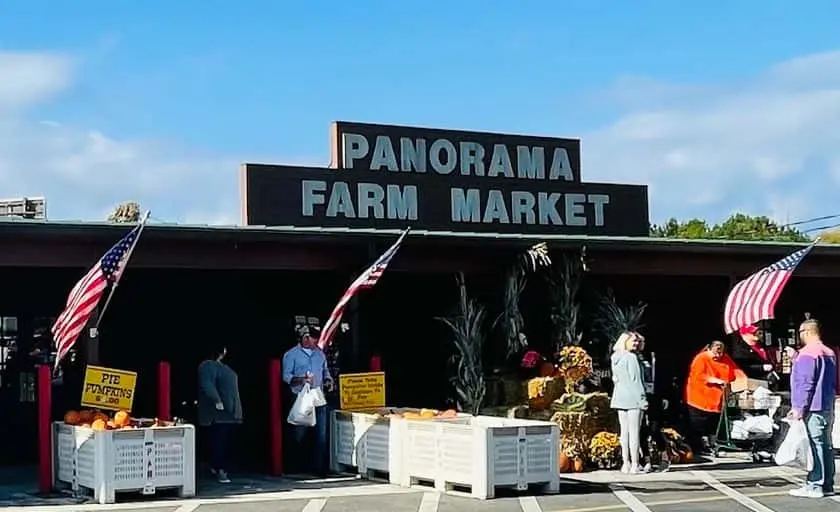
{"x": 164, "y": 391}
{"x": 375, "y": 363}
{"x": 275, "y": 416}
{"x": 45, "y": 428}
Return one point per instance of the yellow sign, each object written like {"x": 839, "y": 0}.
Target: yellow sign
{"x": 362, "y": 390}
{"x": 107, "y": 388}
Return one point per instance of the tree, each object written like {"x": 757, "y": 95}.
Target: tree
{"x": 126, "y": 212}
{"x": 737, "y": 227}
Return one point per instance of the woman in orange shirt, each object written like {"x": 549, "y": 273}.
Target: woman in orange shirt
{"x": 711, "y": 371}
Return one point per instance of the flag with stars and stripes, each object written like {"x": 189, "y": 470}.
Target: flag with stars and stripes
{"x": 85, "y": 296}
{"x": 754, "y": 298}
{"x": 366, "y": 280}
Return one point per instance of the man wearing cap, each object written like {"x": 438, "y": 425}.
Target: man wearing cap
{"x": 305, "y": 363}
{"x": 756, "y": 361}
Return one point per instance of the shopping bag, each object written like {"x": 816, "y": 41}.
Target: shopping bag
{"x": 318, "y": 398}
{"x": 302, "y": 413}
{"x": 795, "y": 448}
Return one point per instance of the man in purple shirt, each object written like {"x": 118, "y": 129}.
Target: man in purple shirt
{"x": 813, "y": 381}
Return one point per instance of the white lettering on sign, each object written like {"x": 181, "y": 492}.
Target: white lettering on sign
{"x": 521, "y": 207}
{"x": 443, "y": 157}
{"x": 364, "y": 201}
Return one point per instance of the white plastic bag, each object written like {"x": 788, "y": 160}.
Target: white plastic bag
{"x": 795, "y": 448}
{"x": 318, "y": 398}
{"x": 302, "y": 413}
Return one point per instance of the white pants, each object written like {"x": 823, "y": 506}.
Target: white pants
{"x": 630, "y": 421}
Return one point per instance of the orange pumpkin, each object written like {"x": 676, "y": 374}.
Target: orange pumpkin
{"x": 72, "y": 418}
{"x": 565, "y": 463}
{"x": 99, "y": 424}
{"x": 85, "y": 416}
{"x": 99, "y": 415}
{"x": 122, "y": 418}
{"x": 111, "y": 425}
{"x": 547, "y": 369}
{"x": 578, "y": 465}
{"x": 688, "y": 457}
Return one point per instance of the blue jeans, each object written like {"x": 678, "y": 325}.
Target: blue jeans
{"x": 818, "y": 424}
{"x": 320, "y": 450}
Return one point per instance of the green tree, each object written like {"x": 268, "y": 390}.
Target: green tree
{"x": 737, "y": 227}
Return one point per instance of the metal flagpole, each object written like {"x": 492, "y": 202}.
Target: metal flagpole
{"x": 121, "y": 270}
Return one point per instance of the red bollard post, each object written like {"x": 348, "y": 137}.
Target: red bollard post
{"x": 45, "y": 428}
{"x": 375, "y": 363}
{"x": 164, "y": 391}
{"x": 275, "y": 416}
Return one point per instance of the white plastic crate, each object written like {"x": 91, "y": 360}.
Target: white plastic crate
{"x": 364, "y": 441}
{"x": 142, "y": 459}
{"x": 481, "y": 453}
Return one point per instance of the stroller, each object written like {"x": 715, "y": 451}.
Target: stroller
{"x": 749, "y": 425}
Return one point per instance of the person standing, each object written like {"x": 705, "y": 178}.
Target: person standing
{"x": 710, "y": 372}
{"x": 305, "y": 363}
{"x": 755, "y": 360}
{"x": 628, "y": 398}
{"x": 813, "y": 385}
{"x": 653, "y": 446}
{"x": 219, "y": 408}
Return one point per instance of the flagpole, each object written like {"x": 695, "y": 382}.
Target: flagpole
{"x": 122, "y": 269}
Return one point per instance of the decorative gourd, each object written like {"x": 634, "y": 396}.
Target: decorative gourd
{"x": 72, "y": 418}
{"x": 122, "y": 418}
{"x": 99, "y": 424}
{"x": 565, "y": 463}
{"x": 578, "y": 465}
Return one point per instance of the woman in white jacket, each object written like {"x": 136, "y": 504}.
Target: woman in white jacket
{"x": 628, "y": 398}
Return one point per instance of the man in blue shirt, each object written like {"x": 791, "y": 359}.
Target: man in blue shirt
{"x": 303, "y": 364}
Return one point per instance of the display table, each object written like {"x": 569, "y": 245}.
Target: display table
{"x": 135, "y": 459}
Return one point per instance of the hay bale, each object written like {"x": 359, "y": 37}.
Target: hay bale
{"x": 542, "y": 391}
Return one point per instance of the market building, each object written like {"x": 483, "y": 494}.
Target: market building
{"x": 474, "y": 201}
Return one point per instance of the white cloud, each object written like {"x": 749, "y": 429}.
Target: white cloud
{"x": 84, "y": 173}
{"x": 767, "y": 145}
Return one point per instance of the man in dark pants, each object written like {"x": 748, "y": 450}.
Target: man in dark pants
{"x": 305, "y": 363}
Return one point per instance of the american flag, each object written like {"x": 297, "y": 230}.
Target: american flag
{"x": 85, "y": 296}
{"x": 365, "y": 281}
{"x": 754, "y": 298}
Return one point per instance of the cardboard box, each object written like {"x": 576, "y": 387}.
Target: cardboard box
{"x": 740, "y": 385}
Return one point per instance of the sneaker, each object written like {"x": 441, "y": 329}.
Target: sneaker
{"x": 806, "y": 492}
{"x": 646, "y": 468}
{"x": 222, "y": 477}
{"x": 636, "y": 470}
{"x": 625, "y": 468}
{"x": 827, "y": 492}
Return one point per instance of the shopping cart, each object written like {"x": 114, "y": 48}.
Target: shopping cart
{"x": 743, "y": 407}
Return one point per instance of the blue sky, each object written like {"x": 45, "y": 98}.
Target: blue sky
{"x": 719, "y": 106}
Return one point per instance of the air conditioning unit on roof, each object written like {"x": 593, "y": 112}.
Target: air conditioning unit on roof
{"x": 24, "y": 207}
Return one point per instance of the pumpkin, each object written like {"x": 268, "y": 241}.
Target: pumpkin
{"x": 428, "y": 413}
{"x": 565, "y": 463}
{"x": 449, "y": 413}
{"x": 122, "y": 418}
{"x": 111, "y": 425}
{"x": 99, "y": 415}
{"x": 688, "y": 457}
{"x": 99, "y": 424}
{"x": 85, "y": 416}
{"x": 547, "y": 369}
{"x": 578, "y": 465}
{"x": 72, "y": 418}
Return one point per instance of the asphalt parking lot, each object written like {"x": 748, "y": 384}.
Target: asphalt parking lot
{"x": 730, "y": 487}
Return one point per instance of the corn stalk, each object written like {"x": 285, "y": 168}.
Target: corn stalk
{"x": 612, "y": 319}
{"x": 468, "y": 336}
{"x": 564, "y": 283}
{"x": 511, "y": 320}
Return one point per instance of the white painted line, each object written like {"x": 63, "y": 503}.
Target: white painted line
{"x": 283, "y": 495}
{"x": 189, "y": 507}
{"x": 313, "y": 506}
{"x": 798, "y": 481}
{"x": 529, "y": 504}
{"x": 732, "y": 493}
{"x": 430, "y": 502}
{"x": 626, "y": 497}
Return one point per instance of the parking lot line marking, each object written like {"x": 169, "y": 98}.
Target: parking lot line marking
{"x": 626, "y": 497}
{"x": 666, "y": 503}
{"x": 798, "y": 481}
{"x": 529, "y": 504}
{"x": 314, "y": 505}
{"x": 429, "y": 502}
{"x": 188, "y": 507}
{"x": 732, "y": 493}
